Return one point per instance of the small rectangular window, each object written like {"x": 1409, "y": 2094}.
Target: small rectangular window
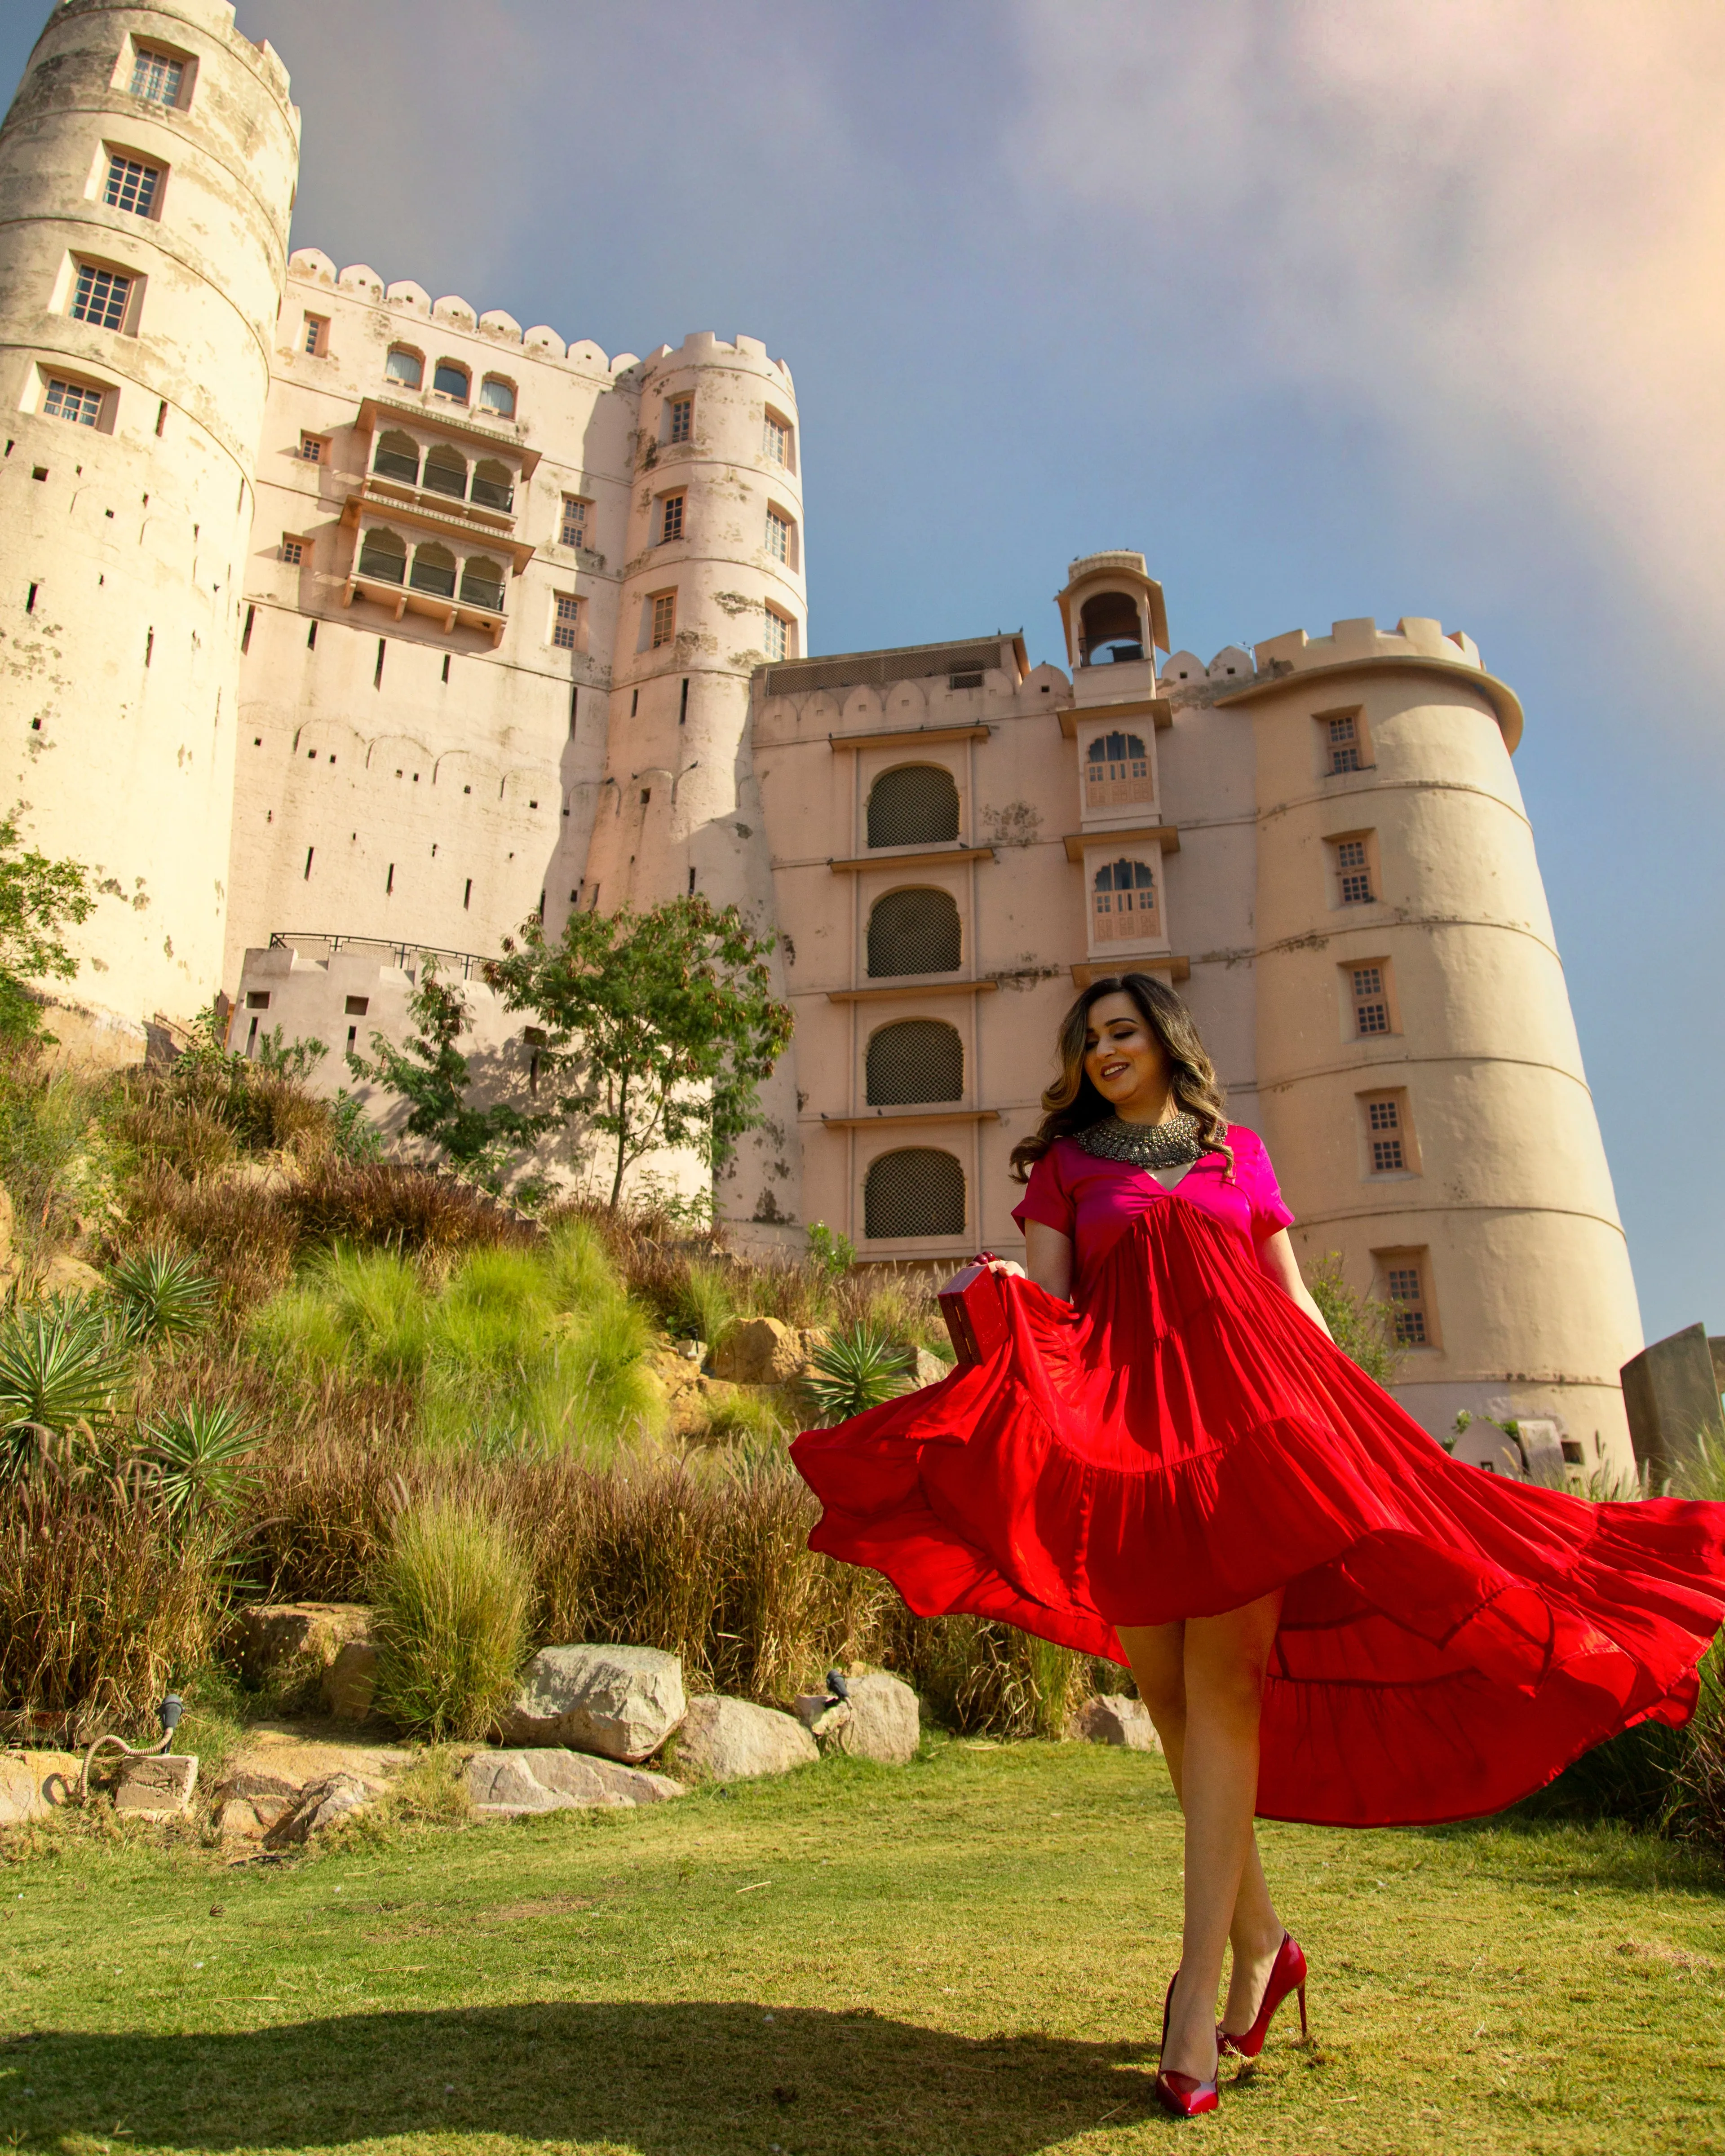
{"x": 100, "y": 297}
{"x": 311, "y": 449}
{"x": 316, "y": 339}
{"x": 1371, "y": 999}
{"x": 131, "y": 184}
{"x": 293, "y": 552}
{"x": 157, "y": 76}
{"x": 776, "y": 638}
{"x": 682, "y": 418}
{"x": 1405, "y": 1286}
{"x": 573, "y": 532}
{"x": 257, "y": 998}
{"x": 74, "y": 400}
{"x": 566, "y": 619}
{"x": 778, "y": 535}
{"x": 357, "y": 1006}
{"x": 664, "y": 618}
{"x": 672, "y": 523}
{"x": 776, "y": 441}
{"x": 1353, "y": 873}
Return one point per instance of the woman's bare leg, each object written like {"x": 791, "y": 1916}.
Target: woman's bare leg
{"x": 1202, "y": 1684}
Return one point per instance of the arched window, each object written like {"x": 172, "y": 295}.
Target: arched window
{"x": 1117, "y": 770}
{"x": 1123, "y": 900}
{"x": 383, "y": 555}
{"x": 405, "y": 367}
{"x": 497, "y": 395}
{"x": 433, "y": 571}
{"x": 914, "y": 932}
{"x": 398, "y": 456}
{"x": 493, "y": 485}
{"x": 1109, "y": 628}
{"x": 918, "y": 1060}
{"x": 917, "y": 805}
{"x": 482, "y": 584}
{"x": 446, "y": 471}
{"x": 917, "y": 1192}
{"x": 449, "y": 380}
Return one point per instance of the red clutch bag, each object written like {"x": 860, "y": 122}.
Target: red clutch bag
{"x": 974, "y": 1303}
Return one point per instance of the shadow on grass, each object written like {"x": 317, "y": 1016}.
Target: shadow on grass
{"x": 662, "y": 2079}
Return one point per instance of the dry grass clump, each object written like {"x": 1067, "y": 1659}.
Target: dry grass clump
{"x": 983, "y": 1678}
{"x": 453, "y": 1596}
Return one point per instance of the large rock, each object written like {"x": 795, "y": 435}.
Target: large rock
{"x": 319, "y": 1806}
{"x": 879, "y": 1720}
{"x": 728, "y": 1740}
{"x": 68, "y": 1277}
{"x": 35, "y": 1784}
{"x": 247, "y": 1803}
{"x": 622, "y": 1702}
{"x": 929, "y": 1369}
{"x": 509, "y": 1785}
{"x": 157, "y": 1788}
{"x": 759, "y": 1350}
{"x": 1112, "y": 1719}
{"x": 349, "y": 1681}
{"x": 298, "y": 1640}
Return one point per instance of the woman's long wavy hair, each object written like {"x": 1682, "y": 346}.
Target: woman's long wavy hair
{"x": 1072, "y": 1103}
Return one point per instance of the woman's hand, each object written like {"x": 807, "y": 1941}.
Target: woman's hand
{"x": 1002, "y": 1266}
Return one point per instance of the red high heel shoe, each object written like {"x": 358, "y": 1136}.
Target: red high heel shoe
{"x": 1183, "y": 2094}
{"x": 1287, "y": 1973}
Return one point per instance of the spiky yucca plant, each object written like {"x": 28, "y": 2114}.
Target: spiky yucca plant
{"x": 857, "y": 1368}
{"x": 162, "y": 1295}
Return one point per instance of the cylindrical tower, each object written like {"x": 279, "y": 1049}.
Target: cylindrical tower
{"x": 146, "y": 173}
{"x": 1420, "y": 1076}
{"x": 713, "y": 588}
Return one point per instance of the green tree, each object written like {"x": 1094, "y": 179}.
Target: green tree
{"x": 38, "y": 899}
{"x": 666, "y": 1018}
{"x": 431, "y": 1074}
{"x": 1363, "y": 1328}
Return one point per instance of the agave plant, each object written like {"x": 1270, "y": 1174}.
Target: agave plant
{"x": 859, "y": 1367}
{"x": 60, "y": 1364}
{"x": 162, "y": 1296}
{"x": 199, "y": 1454}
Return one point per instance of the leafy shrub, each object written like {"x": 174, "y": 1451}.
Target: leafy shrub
{"x": 1363, "y": 1328}
{"x": 162, "y": 1295}
{"x": 453, "y": 1599}
{"x": 857, "y": 1368}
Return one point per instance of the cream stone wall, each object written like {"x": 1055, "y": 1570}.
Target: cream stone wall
{"x": 122, "y": 544}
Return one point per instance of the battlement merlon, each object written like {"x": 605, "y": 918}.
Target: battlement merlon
{"x": 1414, "y": 642}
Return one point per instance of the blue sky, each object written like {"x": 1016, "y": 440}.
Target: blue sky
{"x": 1332, "y": 308}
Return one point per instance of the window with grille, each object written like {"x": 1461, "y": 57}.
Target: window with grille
{"x": 446, "y": 472}
{"x": 775, "y": 636}
{"x": 776, "y": 441}
{"x": 914, "y": 932}
{"x": 682, "y": 418}
{"x": 573, "y": 532}
{"x": 1344, "y": 744}
{"x": 917, "y": 805}
{"x": 316, "y": 325}
{"x": 917, "y": 1060}
{"x": 482, "y": 583}
{"x": 917, "y": 1192}
{"x": 383, "y": 555}
{"x": 131, "y": 185}
{"x": 73, "y": 400}
{"x": 398, "y": 456}
{"x": 1371, "y": 999}
{"x": 100, "y": 296}
{"x": 778, "y": 535}
{"x": 670, "y": 526}
{"x": 293, "y": 552}
{"x": 311, "y": 448}
{"x": 157, "y": 76}
{"x": 1354, "y": 872}
{"x": 433, "y": 571}
{"x": 1405, "y": 1282}
{"x": 406, "y": 367}
{"x": 1116, "y": 770}
{"x": 1122, "y": 901}
{"x": 664, "y": 618}
{"x": 565, "y": 616}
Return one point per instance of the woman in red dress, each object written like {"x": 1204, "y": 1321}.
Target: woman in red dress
{"x": 1168, "y": 1461}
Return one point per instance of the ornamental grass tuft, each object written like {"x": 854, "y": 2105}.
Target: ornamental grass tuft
{"x": 454, "y": 1598}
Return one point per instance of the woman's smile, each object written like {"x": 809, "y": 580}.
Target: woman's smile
{"x": 1126, "y": 1062}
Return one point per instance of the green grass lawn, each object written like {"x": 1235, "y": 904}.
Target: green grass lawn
{"x": 967, "y": 1955}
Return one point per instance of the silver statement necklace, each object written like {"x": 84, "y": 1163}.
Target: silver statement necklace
{"x": 1152, "y": 1146}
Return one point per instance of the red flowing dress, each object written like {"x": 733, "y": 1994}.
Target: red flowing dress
{"x": 1181, "y": 1439}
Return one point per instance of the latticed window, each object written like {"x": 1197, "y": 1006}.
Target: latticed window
{"x": 914, "y": 932}
{"x": 917, "y": 1060}
{"x": 74, "y": 400}
{"x": 1354, "y": 872}
{"x": 1384, "y": 1127}
{"x": 1122, "y": 901}
{"x": 778, "y": 535}
{"x": 917, "y": 805}
{"x": 1344, "y": 744}
{"x": 574, "y": 525}
{"x": 682, "y": 418}
{"x": 311, "y": 449}
{"x": 1406, "y": 1284}
{"x": 672, "y": 523}
{"x": 566, "y": 619}
{"x": 1371, "y": 1001}
{"x": 100, "y": 297}
{"x": 776, "y": 441}
{"x": 315, "y": 325}
{"x": 131, "y": 185}
{"x": 157, "y": 76}
{"x": 293, "y": 552}
{"x": 1116, "y": 770}
{"x": 664, "y": 618}
{"x": 917, "y": 1192}
{"x": 775, "y": 634}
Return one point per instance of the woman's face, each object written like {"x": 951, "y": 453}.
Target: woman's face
{"x": 1123, "y": 1059}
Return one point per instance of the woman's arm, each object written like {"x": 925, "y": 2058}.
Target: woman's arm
{"x": 1049, "y": 1255}
{"x": 1277, "y": 1257}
